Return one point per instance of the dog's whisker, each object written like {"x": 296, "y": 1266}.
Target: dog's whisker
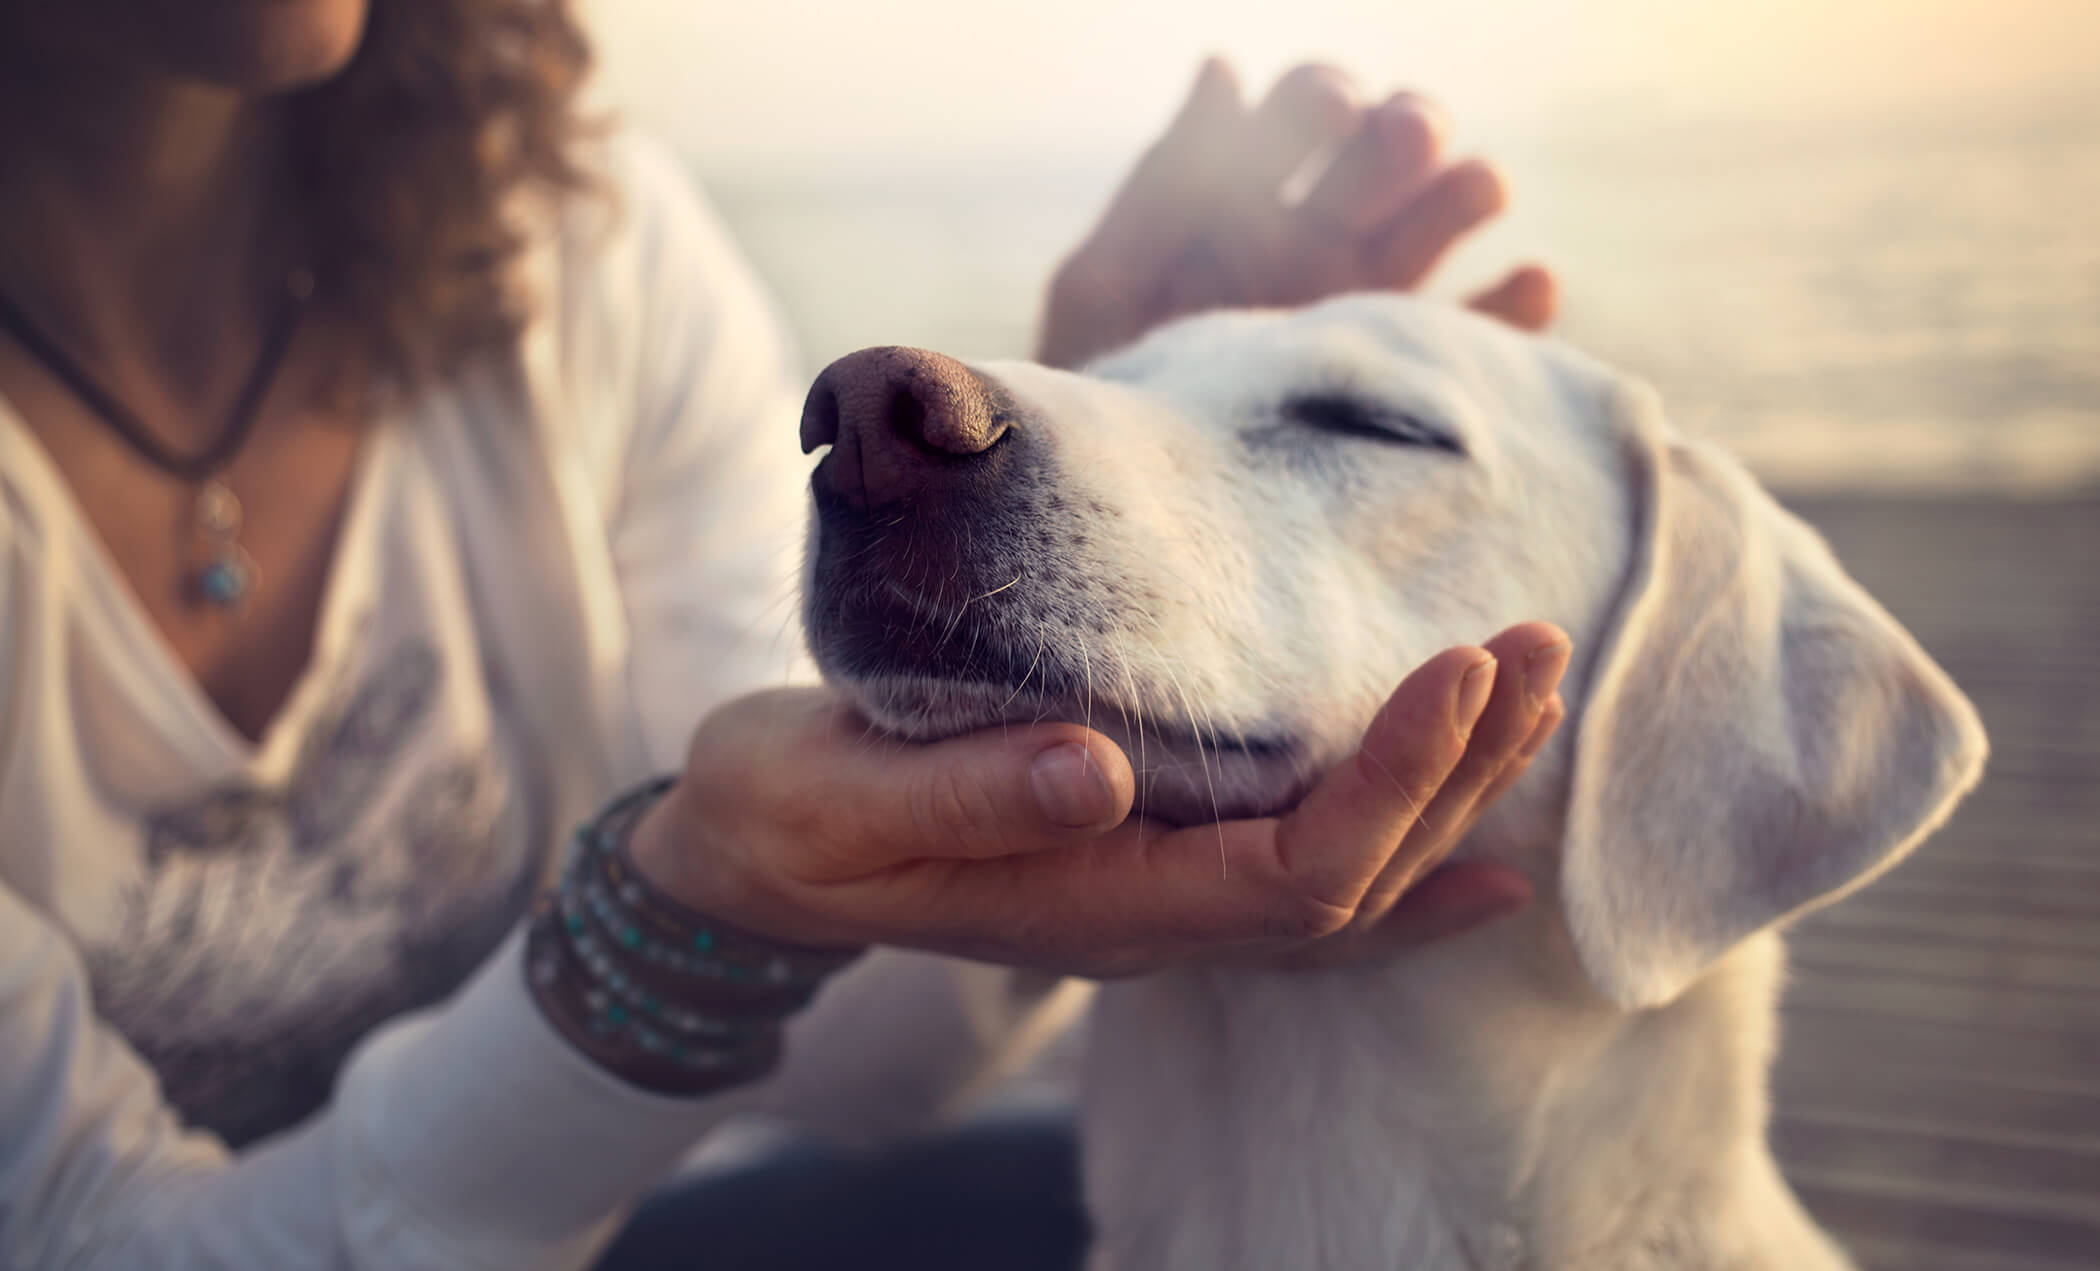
{"x": 1087, "y": 662}
{"x": 957, "y": 619}
{"x": 1217, "y": 819}
{"x": 1042, "y": 642}
{"x": 1137, "y": 708}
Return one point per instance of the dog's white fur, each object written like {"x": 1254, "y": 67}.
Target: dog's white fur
{"x": 1749, "y": 736}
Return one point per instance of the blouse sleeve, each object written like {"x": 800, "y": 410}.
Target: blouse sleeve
{"x": 468, "y": 1137}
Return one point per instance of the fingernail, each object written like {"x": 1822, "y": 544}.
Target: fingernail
{"x": 1070, "y": 788}
{"x": 1473, "y": 693}
{"x": 1542, "y": 671}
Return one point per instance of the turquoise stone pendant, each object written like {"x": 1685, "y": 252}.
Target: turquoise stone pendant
{"x": 225, "y": 581}
{"x": 228, "y": 574}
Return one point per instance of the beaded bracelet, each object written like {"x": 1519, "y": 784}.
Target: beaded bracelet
{"x": 664, "y": 997}
{"x": 659, "y": 930}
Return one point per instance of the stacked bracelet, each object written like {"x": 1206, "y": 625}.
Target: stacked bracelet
{"x": 666, "y": 998}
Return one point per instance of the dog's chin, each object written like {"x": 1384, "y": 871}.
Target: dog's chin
{"x": 1181, "y": 780}
{"x": 932, "y": 708}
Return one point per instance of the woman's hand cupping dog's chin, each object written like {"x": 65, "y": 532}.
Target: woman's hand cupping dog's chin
{"x": 1017, "y": 846}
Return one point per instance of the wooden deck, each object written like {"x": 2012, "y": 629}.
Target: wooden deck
{"x": 1938, "y": 1093}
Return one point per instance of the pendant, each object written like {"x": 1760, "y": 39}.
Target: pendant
{"x": 228, "y": 574}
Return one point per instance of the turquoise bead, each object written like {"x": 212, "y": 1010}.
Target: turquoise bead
{"x": 224, "y": 581}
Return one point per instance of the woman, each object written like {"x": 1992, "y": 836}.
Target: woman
{"x": 391, "y": 473}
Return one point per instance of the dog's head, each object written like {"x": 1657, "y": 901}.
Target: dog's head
{"x": 1224, "y": 545}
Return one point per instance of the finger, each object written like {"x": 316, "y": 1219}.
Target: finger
{"x": 1379, "y": 169}
{"x": 1454, "y": 202}
{"x": 1526, "y": 299}
{"x": 1242, "y": 253}
{"x": 877, "y": 802}
{"x": 1107, "y": 291}
{"x": 1370, "y": 180}
{"x": 1367, "y": 807}
{"x": 1522, "y": 654}
{"x": 1310, "y": 107}
{"x": 1530, "y": 660}
{"x": 1154, "y": 215}
{"x": 1549, "y": 722}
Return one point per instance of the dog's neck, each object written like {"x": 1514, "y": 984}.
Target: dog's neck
{"x": 1556, "y": 1131}
{"x": 1476, "y": 1104}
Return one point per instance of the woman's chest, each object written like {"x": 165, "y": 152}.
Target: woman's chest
{"x": 249, "y": 910}
{"x": 271, "y": 515}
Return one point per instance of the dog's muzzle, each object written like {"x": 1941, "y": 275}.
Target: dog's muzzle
{"x": 928, "y": 500}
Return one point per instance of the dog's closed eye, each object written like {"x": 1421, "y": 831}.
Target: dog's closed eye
{"x": 1346, "y": 415}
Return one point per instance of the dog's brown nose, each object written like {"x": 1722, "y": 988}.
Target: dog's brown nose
{"x": 900, "y": 422}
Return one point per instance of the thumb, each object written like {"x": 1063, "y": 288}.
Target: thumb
{"x": 998, "y": 792}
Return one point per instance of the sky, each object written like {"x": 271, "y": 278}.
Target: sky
{"x": 814, "y": 79}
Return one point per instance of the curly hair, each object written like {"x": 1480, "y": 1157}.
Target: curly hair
{"x": 409, "y": 162}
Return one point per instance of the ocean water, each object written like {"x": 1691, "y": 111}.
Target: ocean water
{"x": 1909, "y": 306}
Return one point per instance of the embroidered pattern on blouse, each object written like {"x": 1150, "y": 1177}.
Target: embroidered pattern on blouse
{"x": 273, "y": 928}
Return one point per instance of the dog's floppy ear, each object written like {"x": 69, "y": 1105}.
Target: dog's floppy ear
{"x": 1759, "y": 736}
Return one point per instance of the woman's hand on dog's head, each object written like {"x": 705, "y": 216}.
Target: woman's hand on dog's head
{"x": 1207, "y": 219}
{"x": 1017, "y": 845}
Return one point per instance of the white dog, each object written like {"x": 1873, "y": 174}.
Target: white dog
{"x": 1223, "y": 547}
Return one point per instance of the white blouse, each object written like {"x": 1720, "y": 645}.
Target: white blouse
{"x": 550, "y": 569}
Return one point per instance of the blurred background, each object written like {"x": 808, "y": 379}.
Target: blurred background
{"x": 1854, "y": 239}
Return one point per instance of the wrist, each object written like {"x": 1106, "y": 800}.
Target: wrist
{"x": 664, "y": 997}
{"x": 676, "y": 851}
{"x": 662, "y": 851}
